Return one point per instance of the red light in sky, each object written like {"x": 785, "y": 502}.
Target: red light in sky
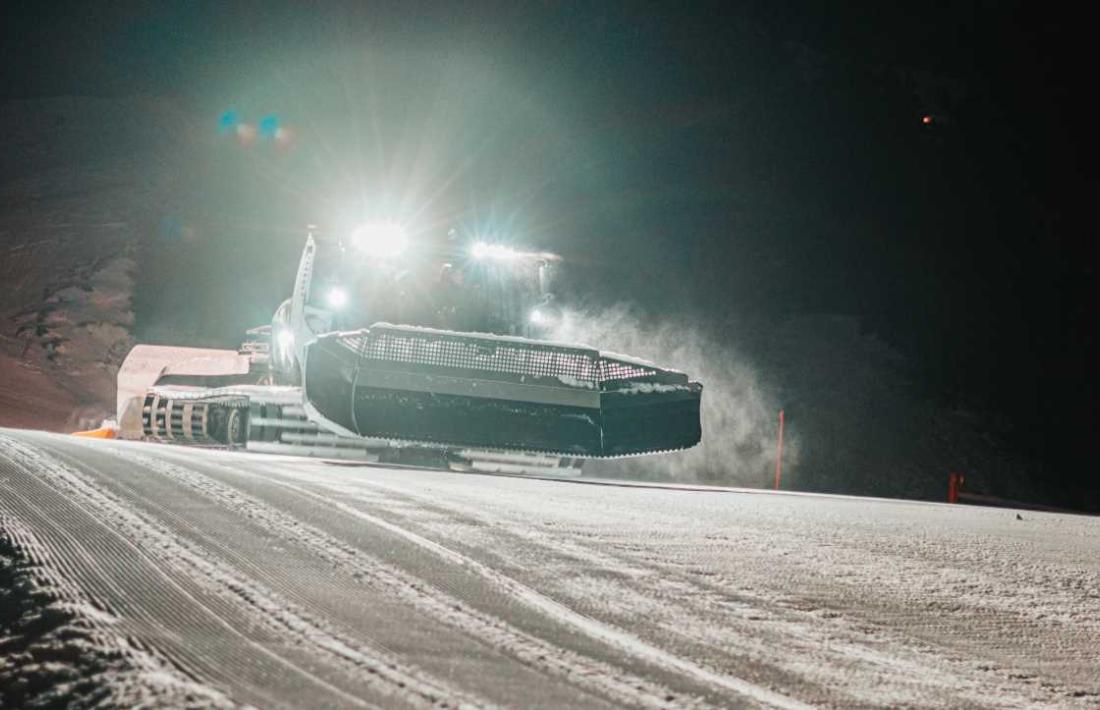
{"x": 926, "y": 120}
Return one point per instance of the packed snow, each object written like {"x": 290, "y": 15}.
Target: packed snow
{"x": 232, "y": 578}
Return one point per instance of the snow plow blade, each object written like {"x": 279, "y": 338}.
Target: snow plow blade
{"x": 439, "y": 387}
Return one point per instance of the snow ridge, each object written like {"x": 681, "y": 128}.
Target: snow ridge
{"x": 584, "y": 624}
{"x": 579, "y": 670}
{"x": 58, "y": 646}
{"x": 258, "y": 602}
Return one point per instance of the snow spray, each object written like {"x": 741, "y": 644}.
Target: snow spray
{"x": 737, "y": 410}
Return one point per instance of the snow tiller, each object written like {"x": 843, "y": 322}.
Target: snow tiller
{"x": 477, "y": 389}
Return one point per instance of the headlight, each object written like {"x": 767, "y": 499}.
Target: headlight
{"x": 337, "y": 298}
{"x": 381, "y": 239}
{"x": 544, "y": 316}
{"x": 484, "y": 250}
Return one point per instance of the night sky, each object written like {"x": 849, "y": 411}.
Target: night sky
{"x": 923, "y": 167}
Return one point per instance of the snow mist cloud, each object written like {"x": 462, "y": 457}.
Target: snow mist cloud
{"x": 738, "y": 412}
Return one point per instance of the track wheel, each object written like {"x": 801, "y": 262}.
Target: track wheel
{"x": 227, "y": 425}
{"x": 234, "y": 427}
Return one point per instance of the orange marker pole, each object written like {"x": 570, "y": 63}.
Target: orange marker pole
{"x": 954, "y": 483}
{"x": 779, "y": 453}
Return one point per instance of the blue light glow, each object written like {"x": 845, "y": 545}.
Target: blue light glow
{"x": 228, "y": 121}
{"x": 269, "y": 125}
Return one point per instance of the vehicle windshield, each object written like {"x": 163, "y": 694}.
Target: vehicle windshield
{"x": 435, "y": 290}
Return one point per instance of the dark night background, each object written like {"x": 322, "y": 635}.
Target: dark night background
{"x": 722, "y": 163}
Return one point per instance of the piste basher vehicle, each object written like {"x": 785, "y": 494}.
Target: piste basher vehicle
{"x": 449, "y": 371}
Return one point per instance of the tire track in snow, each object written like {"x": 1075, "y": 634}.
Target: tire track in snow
{"x": 784, "y": 572}
{"x": 255, "y": 601}
{"x": 906, "y": 657}
{"x": 115, "y": 516}
{"x": 535, "y": 600}
{"x": 588, "y": 673}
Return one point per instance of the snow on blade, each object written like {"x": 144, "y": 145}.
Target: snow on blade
{"x": 651, "y": 387}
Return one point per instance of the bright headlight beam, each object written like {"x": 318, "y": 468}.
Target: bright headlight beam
{"x": 381, "y": 239}
{"x": 337, "y": 297}
{"x": 484, "y": 250}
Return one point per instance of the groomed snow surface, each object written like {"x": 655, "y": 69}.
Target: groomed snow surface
{"x": 163, "y": 576}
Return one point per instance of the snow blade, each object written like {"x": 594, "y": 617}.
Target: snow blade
{"x": 481, "y": 391}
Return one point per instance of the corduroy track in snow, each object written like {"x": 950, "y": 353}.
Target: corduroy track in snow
{"x": 283, "y": 582}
